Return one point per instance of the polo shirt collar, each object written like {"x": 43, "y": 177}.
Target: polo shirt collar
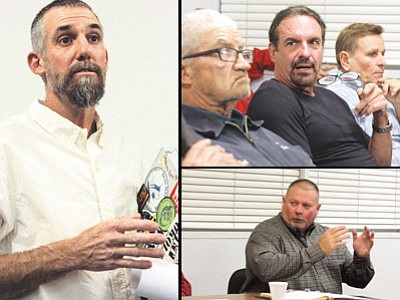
{"x": 62, "y": 128}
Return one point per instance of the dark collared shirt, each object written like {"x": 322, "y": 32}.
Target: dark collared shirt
{"x": 278, "y": 252}
{"x": 247, "y": 140}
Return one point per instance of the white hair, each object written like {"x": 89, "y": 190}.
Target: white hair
{"x": 198, "y": 21}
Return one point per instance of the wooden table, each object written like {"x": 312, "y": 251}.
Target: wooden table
{"x": 250, "y": 296}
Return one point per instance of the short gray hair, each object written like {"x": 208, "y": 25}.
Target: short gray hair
{"x": 198, "y": 21}
{"x": 38, "y": 32}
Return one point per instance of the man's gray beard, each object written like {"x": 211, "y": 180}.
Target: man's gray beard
{"x": 82, "y": 94}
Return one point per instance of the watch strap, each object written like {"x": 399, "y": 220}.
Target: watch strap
{"x": 386, "y": 129}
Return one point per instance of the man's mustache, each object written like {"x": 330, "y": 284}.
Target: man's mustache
{"x": 86, "y": 66}
{"x": 301, "y": 61}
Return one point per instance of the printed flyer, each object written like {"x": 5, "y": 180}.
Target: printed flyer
{"x": 158, "y": 200}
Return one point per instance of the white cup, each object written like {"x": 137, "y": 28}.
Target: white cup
{"x": 278, "y": 289}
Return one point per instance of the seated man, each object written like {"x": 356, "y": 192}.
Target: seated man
{"x": 310, "y": 116}
{"x": 214, "y": 77}
{"x": 292, "y": 247}
{"x": 360, "y": 48}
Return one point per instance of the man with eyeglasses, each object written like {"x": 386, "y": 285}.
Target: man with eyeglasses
{"x": 214, "y": 77}
{"x": 360, "y": 51}
{"x": 310, "y": 116}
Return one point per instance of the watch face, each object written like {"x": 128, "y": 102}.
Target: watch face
{"x": 157, "y": 185}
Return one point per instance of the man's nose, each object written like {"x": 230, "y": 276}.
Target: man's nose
{"x": 381, "y": 60}
{"x": 241, "y": 63}
{"x": 304, "y": 50}
{"x": 84, "y": 49}
{"x": 298, "y": 210}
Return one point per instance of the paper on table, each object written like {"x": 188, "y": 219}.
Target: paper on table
{"x": 159, "y": 282}
{"x": 307, "y": 295}
{"x": 301, "y": 295}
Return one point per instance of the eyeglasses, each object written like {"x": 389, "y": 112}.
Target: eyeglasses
{"x": 226, "y": 54}
{"x": 352, "y": 78}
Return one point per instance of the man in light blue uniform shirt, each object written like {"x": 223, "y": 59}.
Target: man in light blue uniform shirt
{"x": 360, "y": 48}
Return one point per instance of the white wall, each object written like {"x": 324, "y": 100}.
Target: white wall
{"x": 188, "y": 5}
{"x": 209, "y": 258}
{"x": 141, "y": 97}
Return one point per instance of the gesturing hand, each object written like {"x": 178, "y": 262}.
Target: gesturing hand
{"x": 372, "y": 100}
{"x": 333, "y": 238}
{"x": 363, "y": 244}
{"x": 112, "y": 244}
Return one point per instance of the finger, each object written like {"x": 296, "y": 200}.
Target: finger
{"x": 362, "y": 106}
{"x": 339, "y": 230}
{"x": 193, "y": 154}
{"x": 197, "y": 147}
{"x": 385, "y": 87}
{"x": 372, "y": 235}
{"x": 377, "y": 104}
{"x": 354, "y": 233}
{"x": 345, "y": 236}
{"x": 144, "y": 237}
{"x": 132, "y": 263}
{"x": 138, "y": 251}
{"x": 359, "y": 91}
{"x": 201, "y": 144}
{"x": 393, "y": 90}
{"x": 212, "y": 154}
{"x": 133, "y": 224}
{"x": 367, "y": 233}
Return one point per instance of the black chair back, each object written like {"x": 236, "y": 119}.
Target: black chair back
{"x": 236, "y": 281}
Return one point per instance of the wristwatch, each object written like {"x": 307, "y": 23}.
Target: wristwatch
{"x": 377, "y": 129}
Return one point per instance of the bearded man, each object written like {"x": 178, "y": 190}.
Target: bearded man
{"x": 68, "y": 225}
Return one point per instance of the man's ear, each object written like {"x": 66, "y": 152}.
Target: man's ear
{"x": 345, "y": 60}
{"x": 186, "y": 74}
{"x": 36, "y": 63}
{"x": 106, "y": 59}
{"x": 272, "y": 52}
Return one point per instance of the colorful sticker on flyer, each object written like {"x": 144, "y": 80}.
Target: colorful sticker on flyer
{"x": 165, "y": 213}
{"x": 157, "y": 184}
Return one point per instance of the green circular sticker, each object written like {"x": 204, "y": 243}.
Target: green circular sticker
{"x": 165, "y": 213}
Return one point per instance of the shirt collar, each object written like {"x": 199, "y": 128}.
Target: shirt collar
{"x": 62, "y": 128}
{"x": 210, "y": 124}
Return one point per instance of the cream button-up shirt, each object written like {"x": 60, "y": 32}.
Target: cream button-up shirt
{"x": 55, "y": 183}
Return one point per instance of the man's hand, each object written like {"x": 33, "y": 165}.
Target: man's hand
{"x": 363, "y": 244}
{"x": 112, "y": 244}
{"x": 391, "y": 89}
{"x": 204, "y": 153}
{"x": 109, "y": 245}
{"x": 372, "y": 100}
{"x": 333, "y": 238}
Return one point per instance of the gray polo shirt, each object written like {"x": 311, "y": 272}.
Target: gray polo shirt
{"x": 247, "y": 140}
